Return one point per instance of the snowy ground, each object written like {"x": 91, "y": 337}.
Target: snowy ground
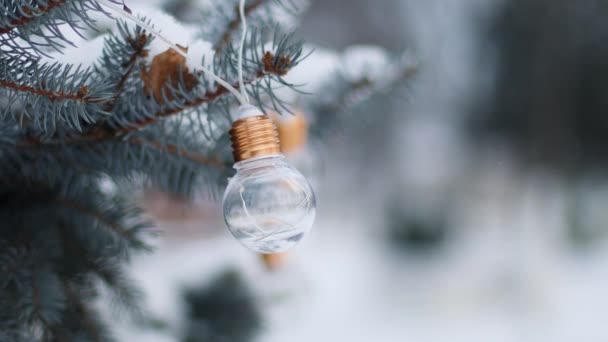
{"x": 509, "y": 277}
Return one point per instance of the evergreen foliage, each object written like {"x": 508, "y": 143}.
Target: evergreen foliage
{"x": 68, "y": 129}
{"x": 33, "y": 26}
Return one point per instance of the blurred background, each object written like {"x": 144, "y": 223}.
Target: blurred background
{"x": 466, "y": 202}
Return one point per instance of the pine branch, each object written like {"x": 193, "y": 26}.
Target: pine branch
{"x": 29, "y": 14}
{"x": 48, "y": 330}
{"x": 61, "y": 256}
{"x": 80, "y": 308}
{"x": 172, "y": 90}
{"x": 348, "y": 95}
{"x": 110, "y": 273}
{"x": 271, "y": 66}
{"x": 51, "y": 98}
{"x": 200, "y": 100}
{"x": 81, "y": 95}
{"x": 358, "y": 91}
{"x": 115, "y": 226}
{"x": 179, "y": 164}
{"x": 226, "y": 37}
{"x": 180, "y": 152}
{"x": 138, "y": 44}
{"x": 39, "y": 23}
{"x": 122, "y": 51}
{"x": 81, "y": 195}
{"x": 171, "y": 149}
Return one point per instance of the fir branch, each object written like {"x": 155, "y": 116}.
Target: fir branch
{"x": 84, "y": 314}
{"x": 48, "y": 331}
{"x": 271, "y": 66}
{"x": 93, "y": 135}
{"x": 138, "y": 45}
{"x": 176, "y": 163}
{"x": 122, "y": 51}
{"x": 142, "y": 106}
{"x": 51, "y": 98}
{"x": 268, "y": 65}
{"x": 109, "y": 272}
{"x": 181, "y": 152}
{"x": 81, "y": 95}
{"x": 348, "y": 95}
{"x": 29, "y": 14}
{"x": 73, "y": 253}
{"x": 98, "y": 216}
{"x": 351, "y": 93}
{"x": 198, "y": 101}
{"x": 358, "y": 91}
{"x": 100, "y": 135}
{"x": 226, "y": 37}
{"x": 38, "y": 22}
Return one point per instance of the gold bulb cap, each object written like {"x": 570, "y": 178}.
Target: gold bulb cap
{"x": 254, "y": 136}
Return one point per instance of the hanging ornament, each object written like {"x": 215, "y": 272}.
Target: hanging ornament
{"x": 167, "y": 68}
{"x": 274, "y": 261}
{"x": 268, "y": 205}
{"x": 293, "y": 131}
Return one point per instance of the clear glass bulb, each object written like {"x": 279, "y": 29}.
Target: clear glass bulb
{"x": 268, "y": 205}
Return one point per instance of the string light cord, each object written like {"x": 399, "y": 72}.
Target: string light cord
{"x": 241, "y": 96}
{"x": 241, "y": 48}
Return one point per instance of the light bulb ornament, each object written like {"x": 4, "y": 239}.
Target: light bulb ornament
{"x": 268, "y": 205}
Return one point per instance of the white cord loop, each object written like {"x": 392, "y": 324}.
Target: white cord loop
{"x": 241, "y": 48}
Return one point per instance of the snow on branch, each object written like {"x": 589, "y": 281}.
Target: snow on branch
{"x": 37, "y": 22}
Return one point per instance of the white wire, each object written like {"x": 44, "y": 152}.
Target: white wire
{"x": 251, "y": 218}
{"x": 242, "y": 99}
{"x": 241, "y": 48}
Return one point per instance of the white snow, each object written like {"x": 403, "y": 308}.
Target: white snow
{"x": 87, "y": 51}
{"x": 315, "y": 70}
{"x": 284, "y": 16}
{"x": 180, "y": 34}
{"x": 199, "y": 51}
{"x": 510, "y": 280}
{"x": 365, "y": 62}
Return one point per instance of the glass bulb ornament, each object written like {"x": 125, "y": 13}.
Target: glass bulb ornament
{"x": 268, "y": 205}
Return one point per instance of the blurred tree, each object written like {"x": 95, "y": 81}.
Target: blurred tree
{"x": 224, "y": 311}
{"x": 414, "y": 231}
{"x": 550, "y": 97}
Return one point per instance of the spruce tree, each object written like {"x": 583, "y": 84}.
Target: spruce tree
{"x": 67, "y": 130}
{"x": 77, "y": 141}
